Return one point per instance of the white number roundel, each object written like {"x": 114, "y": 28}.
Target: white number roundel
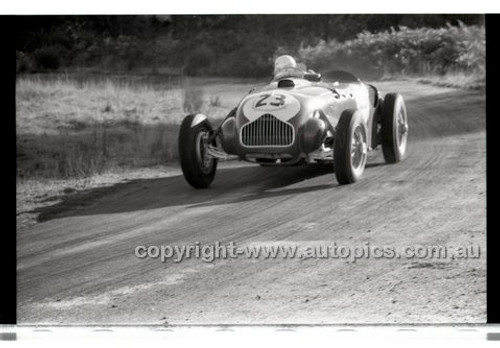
{"x": 282, "y": 105}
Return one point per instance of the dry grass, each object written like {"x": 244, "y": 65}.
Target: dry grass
{"x": 457, "y": 80}
{"x": 66, "y": 128}
{"x": 193, "y": 99}
{"x": 462, "y": 80}
{"x": 51, "y": 105}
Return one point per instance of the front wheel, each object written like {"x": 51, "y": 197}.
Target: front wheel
{"x": 197, "y": 166}
{"x": 394, "y": 128}
{"x": 349, "y": 147}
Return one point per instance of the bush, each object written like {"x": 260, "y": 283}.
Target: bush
{"x": 404, "y": 51}
{"x": 200, "y": 60}
{"x": 47, "y": 58}
{"x": 24, "y": 63}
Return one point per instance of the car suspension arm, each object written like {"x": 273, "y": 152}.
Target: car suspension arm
{"x": 217, "y": 130}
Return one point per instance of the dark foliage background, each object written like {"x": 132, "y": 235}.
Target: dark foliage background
{"x": 218, "y": 45}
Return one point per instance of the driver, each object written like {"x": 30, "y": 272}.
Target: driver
{"x": 286, "y": 66}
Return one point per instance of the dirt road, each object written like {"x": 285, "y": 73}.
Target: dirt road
{"x": 78, "y": 266}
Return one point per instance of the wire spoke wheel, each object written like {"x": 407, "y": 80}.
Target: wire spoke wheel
{"x": 402, "y": 130}
{"x": 394, "y": 128}
{"x": 358, "y": 148}
{"x": 350, "y": 149}
{"x": 197, "y": 165}
{"x": 202, "y": 156}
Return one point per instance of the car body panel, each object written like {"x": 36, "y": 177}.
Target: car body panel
{"x": 294, "y": 102}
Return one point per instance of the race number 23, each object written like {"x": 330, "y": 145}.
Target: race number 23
{"x": 275, "y": 100}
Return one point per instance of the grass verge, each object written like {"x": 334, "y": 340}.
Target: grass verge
{"x": 69, "y": 129}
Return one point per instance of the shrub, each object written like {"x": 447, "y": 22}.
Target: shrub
{"x": 404, "y": 51}
{"x": 47, "y": 58}
{"x": 200, "y": 60}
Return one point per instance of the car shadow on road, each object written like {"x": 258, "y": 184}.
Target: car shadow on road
{"x": 231, "y": 185}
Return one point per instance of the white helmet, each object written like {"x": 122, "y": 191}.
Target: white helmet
{"x": 283, "y": 63}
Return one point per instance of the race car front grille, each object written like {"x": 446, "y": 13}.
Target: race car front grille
{"x": 267, "y": 131}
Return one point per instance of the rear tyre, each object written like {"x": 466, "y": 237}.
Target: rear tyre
{"x": 394, "y": 130}
{"x": 349, "y": 147}
{"x": 198, "y": 168}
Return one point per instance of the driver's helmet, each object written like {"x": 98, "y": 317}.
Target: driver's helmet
{"x": 286, "y": 66}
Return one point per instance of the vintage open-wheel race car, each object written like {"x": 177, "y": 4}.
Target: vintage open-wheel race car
{"x": 299, "y": 119}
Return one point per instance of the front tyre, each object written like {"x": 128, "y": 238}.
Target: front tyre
{"x": 394, "y": 130}
{"x": 349, "y": 147}
{"x": 197, "y": 166}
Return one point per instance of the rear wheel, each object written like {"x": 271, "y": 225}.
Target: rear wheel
{"x": 197, "y": 166}
{"x": 349, "y": 147}
{"x": 394, "y": 130}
